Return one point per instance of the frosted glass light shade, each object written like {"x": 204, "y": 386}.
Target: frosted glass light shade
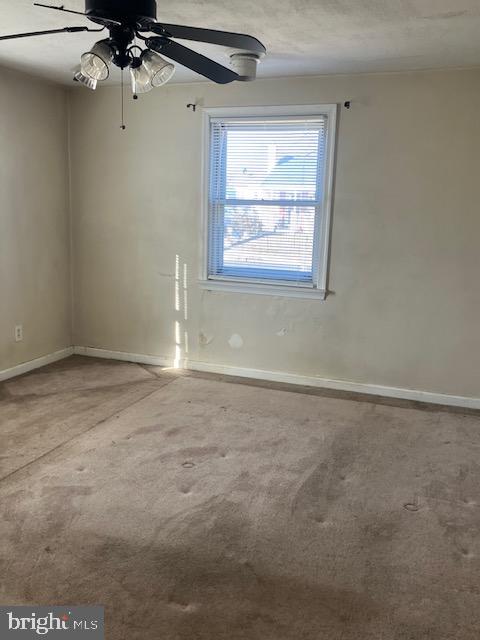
{"x": 160, "y": 70}
{"x": 85, "y": 81}
{"x": 141, "y": 80}
{"x": 96, "y": 63}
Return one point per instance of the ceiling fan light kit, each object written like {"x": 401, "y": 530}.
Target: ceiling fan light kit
{"x": 129, "y": 23}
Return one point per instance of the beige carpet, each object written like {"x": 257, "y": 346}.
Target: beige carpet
{"x": 205, "y": 510}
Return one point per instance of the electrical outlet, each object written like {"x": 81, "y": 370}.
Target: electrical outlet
{"x": 19, "y": 333}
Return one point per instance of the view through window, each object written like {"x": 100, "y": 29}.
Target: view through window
{"x": 266, "y": 198}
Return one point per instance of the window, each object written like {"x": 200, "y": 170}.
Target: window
{"x": 268, "y": 191}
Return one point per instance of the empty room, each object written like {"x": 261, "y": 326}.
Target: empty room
{"x": 240, "y": 319}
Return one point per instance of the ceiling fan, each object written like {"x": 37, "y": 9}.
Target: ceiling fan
{"x": 130, "y": 23}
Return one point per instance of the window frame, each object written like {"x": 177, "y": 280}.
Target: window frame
{"x": 321, "y": 248}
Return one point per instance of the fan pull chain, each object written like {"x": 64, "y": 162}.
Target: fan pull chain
{"x": 123, "y": 125}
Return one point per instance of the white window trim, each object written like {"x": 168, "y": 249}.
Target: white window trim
{"x": 319, "y": 289}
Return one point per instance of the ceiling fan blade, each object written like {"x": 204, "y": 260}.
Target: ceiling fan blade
{"x": 105, "y": 21}
{"x": 222, "y": 38}
{"x": 46, "y": 33}
{"x": 62, "y": 8}
{"x": 192, "y": 60}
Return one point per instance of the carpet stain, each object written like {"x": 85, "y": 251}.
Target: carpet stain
{"x": 324, "y": 484}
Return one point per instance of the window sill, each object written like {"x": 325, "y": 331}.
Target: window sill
{"x": 263, "y": 289}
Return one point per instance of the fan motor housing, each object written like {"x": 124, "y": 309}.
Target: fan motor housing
{"x": 138, "y": 13}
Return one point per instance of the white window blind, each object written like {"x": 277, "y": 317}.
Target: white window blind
{"x": 266, "y": 197}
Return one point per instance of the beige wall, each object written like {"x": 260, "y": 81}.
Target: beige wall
{"x": 34, "y": 219}
{"x": 405, "y": 304}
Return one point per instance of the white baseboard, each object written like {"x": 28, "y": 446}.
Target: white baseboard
{"x": 156, "y": 361}
{"x": 289, "y": 378}
{"x": 258, "y": 374}
{"x": 25, "y": 367}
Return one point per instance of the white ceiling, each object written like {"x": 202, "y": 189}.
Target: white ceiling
{"x": 303, "y": 37}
